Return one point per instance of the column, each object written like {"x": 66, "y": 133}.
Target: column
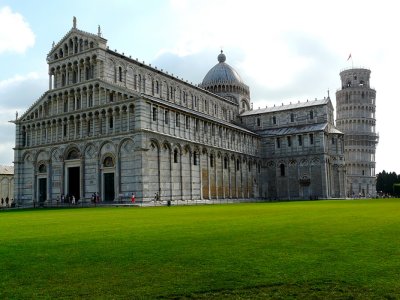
{"x": 50, "y": 81}
{"x": 79, "y": 73}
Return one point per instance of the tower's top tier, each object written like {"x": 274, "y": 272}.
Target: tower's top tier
{"x": 357, "y": 77}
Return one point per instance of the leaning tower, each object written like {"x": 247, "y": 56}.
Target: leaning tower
{"x": 355, "y": 117}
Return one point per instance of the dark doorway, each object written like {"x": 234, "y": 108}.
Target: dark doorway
{"x": 109, "y": 192}
{"x": 73, "y": 182}
{"x": 42, "y": 189}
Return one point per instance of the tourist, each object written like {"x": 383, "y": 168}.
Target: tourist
{"x": 133, "y": 198}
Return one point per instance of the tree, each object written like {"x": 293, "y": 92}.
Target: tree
{"x": 396, "y": 189}
{"x": 385, "y": 182}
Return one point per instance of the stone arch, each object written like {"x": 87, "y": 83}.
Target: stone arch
{"x": 106, "y": 147}
{"x": 108, "y": 160}
{"x": 42, "y": 155}
{"x": 70, "y": 151}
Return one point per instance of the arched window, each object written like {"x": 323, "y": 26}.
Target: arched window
{"x": 42, "y": 168}
{"x": 65, "y": 130}
{"x": 74, "y": 76}
{"x": 108, "y": 162}
{"x": 65, "y": 105}
{"x": 166, "y": 117}
{"x": 274, "y": 120}
{"x": 225, "y": 163}
{"x": 311, "y": 115}
{"x": 87, "y": 73}
{"x": 63, "y": 79}
{"x": 111, "y": 122}
{"x": 237, "y": 164}
{"x": 154, "y": 113}
{"x": 195, "y": 158}
{"x": 120, "y": 74}
{"x": 73, "y": 154}
{"x": 282, "y": 168}
{"x": 292, "y": 117}
{"x": 211, "y": 161}
{"x": 175, "y": 156}
{"x": 187, "y": 122}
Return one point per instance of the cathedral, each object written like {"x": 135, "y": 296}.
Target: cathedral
{"x": 112, "y": 126}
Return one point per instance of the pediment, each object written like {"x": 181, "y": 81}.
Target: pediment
{"x": 76, "y": 41}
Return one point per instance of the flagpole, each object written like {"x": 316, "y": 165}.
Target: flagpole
{"x": 351, "y": 57}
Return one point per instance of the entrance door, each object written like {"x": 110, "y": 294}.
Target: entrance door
{"x": 42, "y": 189}
{"x": 306, "y": 192}
{"x": 74, "y": 182}
{"x": 109, "y": 192}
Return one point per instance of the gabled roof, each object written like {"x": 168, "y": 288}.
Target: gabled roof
{"x": 292, "y": 130}
{"x": 288, "y": 107}
{"x": 74, "y": 31}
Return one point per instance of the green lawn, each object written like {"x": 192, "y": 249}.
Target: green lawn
{"x": 288, "y": 250}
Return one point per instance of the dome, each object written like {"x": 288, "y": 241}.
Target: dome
{"x": 222, "y": 73}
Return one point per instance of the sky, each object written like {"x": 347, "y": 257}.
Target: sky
{"x": 285, "y": 51}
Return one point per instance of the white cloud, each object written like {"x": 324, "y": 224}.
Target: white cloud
{"x": 15, "y": 33}
{"x": 20, "y": 91}
{"x": 17, "y": 80}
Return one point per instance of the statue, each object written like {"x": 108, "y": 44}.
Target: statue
{"x": 74, "y": 22}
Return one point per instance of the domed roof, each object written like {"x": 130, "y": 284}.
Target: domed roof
{"x": 222, "y": 72}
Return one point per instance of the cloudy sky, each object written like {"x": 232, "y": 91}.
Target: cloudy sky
{"x": 284, "y": 50}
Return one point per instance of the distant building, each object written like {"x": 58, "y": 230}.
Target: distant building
{"x": 6, "y": 184}
{"x": 302, "y": 151}
{"x": 112, "y": 125}
{"x": 355, "y": 117}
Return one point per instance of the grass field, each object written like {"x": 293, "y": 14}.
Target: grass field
{"x": 288, "y": 250}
